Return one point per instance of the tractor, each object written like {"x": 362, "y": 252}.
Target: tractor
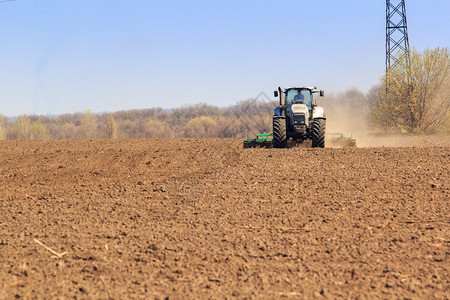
{"x": 298, "y": 117}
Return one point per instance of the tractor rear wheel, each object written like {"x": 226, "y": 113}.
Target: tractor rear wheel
{"x": 318, "y": 133}
{"x": 279, "y": 132}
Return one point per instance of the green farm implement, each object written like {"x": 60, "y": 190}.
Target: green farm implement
{"x": 335, "y": 139}
{"x": 338, "y": 139}
{"x": 262, "y": 140}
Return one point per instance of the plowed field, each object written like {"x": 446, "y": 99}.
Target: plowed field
{"x": 205, "y": 218}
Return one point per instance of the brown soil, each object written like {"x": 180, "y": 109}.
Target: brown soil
{"x": 205, "y": 218}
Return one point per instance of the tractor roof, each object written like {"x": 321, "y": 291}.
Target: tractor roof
{"x": 300, "y": 88}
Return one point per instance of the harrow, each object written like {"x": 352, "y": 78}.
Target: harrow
{"x": 263, "y": 140}
{"x": 338, "y": 139}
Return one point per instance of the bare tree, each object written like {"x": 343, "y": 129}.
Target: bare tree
{"x": 88, "y": 124}
{"x": 416, "y": 97}
{"x": 200, "y": 127}
{"x": 38, "y": 131}
{"x": 2, "y": 128}
{"x": 111, "y": 127}
{"x": 22, "y": 128}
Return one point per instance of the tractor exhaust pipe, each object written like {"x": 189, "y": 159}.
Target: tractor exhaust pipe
{"x": 280, "y": 93}
{"x": 282, "y": 104}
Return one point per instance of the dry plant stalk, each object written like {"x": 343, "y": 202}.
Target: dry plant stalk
{"x": 59, "y": 255}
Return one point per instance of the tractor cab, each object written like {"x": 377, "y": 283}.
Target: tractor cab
{"x": 296, "y": 96}
{"x": 293, "y": 96}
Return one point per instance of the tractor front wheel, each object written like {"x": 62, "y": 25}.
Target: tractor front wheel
{"x": 279, "y": 132}
{"x": 318, "y": 133}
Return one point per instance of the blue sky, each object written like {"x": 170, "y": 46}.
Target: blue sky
{"x": 64, "y": 56}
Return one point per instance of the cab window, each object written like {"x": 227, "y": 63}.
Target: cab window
{"x": 291, "y": 96}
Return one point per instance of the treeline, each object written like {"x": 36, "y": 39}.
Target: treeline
{"x": 246, "y": 118}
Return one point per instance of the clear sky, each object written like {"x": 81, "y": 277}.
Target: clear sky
{"x": 65, "y": 56}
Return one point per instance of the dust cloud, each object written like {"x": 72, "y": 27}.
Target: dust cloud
{"x": 355, "y": 125}
{"x": 347, "y": 113}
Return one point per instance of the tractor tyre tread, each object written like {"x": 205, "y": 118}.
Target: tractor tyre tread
{"x": 279, "y": 132}
{"x": 318, "y": 133}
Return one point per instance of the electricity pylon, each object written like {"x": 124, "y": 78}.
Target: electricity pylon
{"x": 396, "y": 34}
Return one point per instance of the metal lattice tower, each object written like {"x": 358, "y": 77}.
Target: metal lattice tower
{"x": 396, "y": 33}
